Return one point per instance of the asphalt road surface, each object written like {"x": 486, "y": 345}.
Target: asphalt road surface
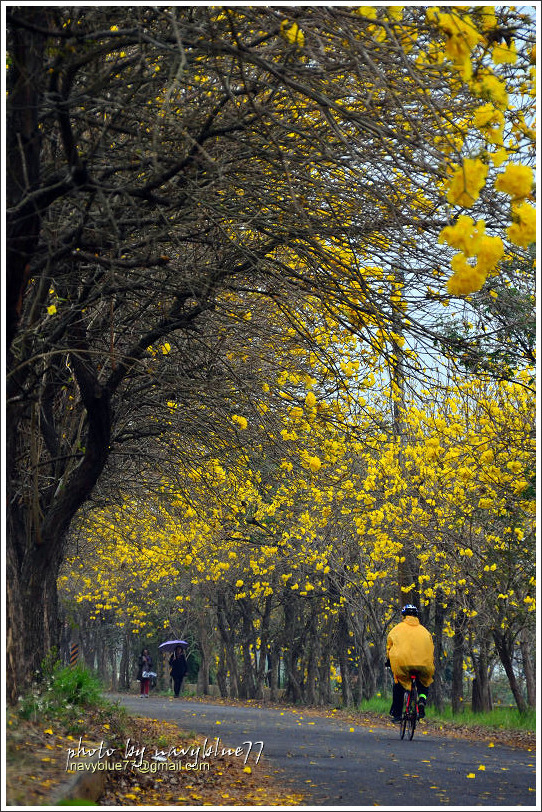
{"x": 334, "y": 763}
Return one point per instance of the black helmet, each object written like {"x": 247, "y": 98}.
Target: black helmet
{"x": 409, "y": 609}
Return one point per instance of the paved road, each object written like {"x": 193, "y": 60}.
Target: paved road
{"x": 333, "y": 765}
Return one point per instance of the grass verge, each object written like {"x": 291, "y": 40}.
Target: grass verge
{"x": 504, "y": 718}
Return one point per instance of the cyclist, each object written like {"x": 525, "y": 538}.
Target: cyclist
{"x": 410, "y": 648}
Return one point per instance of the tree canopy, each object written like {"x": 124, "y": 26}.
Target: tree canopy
{"x": 230, "y": 236}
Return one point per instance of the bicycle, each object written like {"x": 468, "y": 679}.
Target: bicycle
{"x": 410, "y": 710}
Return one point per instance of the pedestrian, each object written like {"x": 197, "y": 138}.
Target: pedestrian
{"x": 410, "y": 649}
{"x": 178, "y": 668}
{"x": 144, "y": 673}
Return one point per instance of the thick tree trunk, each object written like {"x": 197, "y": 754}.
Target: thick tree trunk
{"x": 222, "y": 673}
{"x": 324, "y": 681}
{"x": 36, "y": 539}
{"x": 504, "y": 645}
{"x": 481, "y": 693}
{"x": 528, "y": 671}
{"x": 274, "y": 667}
{"x": 294, "y": 681}
{"x": 17, "y": 676}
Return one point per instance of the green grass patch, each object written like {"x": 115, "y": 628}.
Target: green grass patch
{"x": 497, "y": 719}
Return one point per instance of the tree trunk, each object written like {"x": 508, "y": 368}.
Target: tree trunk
{"x": 528, "y": 670}
{"x": 113, "y": 664}
{"x": 294, "y": 682}
{"x": 124, "y": 677}
{"x": 344, "y": 643}
{"x": 224, "y": 629}
{"x": 16, "y": 674}
{"x": 26, "y": 83}
{"x": 313, "y": 656}
{"x": 41, "y": 626}
{"x": 436, "y": 688}
{"x": 324, "y": 681}
{"x": 481, "y": 693}
{"x": 504, "y": 645}
{"x": 457, "y": 666}
{"x": 204, "y": 646}
{"x": 222, "y": 672}
{"x": 274, "y": 666}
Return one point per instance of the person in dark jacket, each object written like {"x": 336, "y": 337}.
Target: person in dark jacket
{"x": 178, "y": 666}
{"x": 145, "y": 666}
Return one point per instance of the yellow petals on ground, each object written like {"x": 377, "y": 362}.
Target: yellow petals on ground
{"x": 241, "y": 421}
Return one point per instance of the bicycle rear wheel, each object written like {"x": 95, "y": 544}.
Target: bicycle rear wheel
{"x": 412, "y": 712}
{"x": 405, "y": 717}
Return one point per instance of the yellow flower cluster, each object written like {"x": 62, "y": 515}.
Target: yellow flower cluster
{"x": 292, "y": 33}
{"x": 490, "y": 87}
{"x": 522, "y": 232}
{"x": 516, "y": 181}
{"x": 466, "y": 182}
{"x": 461, "y": 38}
{"x": 503, "y": 53}
{"x": 472, "y": 241}
{"x": 490, "y": 121}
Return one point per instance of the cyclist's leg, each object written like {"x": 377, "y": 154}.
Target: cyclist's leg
{"x": 422, "y": 697}
{"x": 396, "y": 709}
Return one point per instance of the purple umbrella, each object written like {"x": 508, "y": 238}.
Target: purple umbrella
{"x": 171, "y": 645}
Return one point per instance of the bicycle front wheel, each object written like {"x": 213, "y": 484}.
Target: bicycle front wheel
{"x": 410, "y": 723}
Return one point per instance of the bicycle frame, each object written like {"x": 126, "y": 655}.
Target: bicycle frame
{"x": 410, "y": 711}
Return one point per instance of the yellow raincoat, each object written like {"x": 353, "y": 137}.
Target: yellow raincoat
{"x": 410, "y": 646}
